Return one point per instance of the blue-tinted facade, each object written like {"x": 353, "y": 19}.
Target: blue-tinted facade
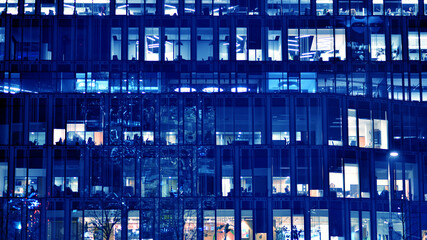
{"x": 213, "y": 120}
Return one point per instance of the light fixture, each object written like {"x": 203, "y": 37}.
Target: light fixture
{"x": 394, "y": 154}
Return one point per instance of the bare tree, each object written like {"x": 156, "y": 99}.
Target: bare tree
{"x": 104, "y": 221}
{"x": 104, "y": 217}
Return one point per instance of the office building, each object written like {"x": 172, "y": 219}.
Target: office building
{"x": 213, "y": 120}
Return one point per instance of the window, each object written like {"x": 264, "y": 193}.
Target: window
{"x": 324, "y": 7}
{"x": 84, "y": 7}
{"x": 241, "y": 41}
{"x": 246, "y": 168}
{"x": 336, "y": 170}
{"x": 224, "y": 122}
{"x": 150, "y": 7}
{"x": 204, "y": 44}
{"x": 411, "y": 181}
{"x": 169, "y": 175}
{"x": 274, "y": 7}
{"x": 316, "y": 44}
{"x": 366, "y": 137}
{"x": 334, "y": 118}
{"x": 281, "y": 172}
{"x": 354, "y": 225}
{"x": 352, "y": 7}
{"x": 316, "y": 174}
{"x": 207, "y": 7}
{"x": 381, "y": 175}
{"x": 177, "y": 44}
{"x": 393, "y": 7}
{"x": 221, "y": 7}
{"x": 224, "y": 43}
{"x": 304, "y": 6}
{"x": 169, "y": 121}
{"x": 206, "y": 170}
{"x": 378, "y": 47}
{"x": 423, "y": 42}
{"x": 129, "y": 7}
{"x": 190, "y": 223}
{"x": 48, "y": 7}
{"x": 29, "y": 6}
{"x": 116, "y": 43}
{"x": 133, "y": 43}
{"x": 247, "y": 224}
{"x": 352, "y": 127}
{"x": 243, "y": 116}
{"x": 10, "y": 6}
{"x": 351, "y": 175}
{"x": 209, "y": 224}
{"x": 303, "y": 177}
{"x": 25, "y": 42}
{"x": 365, "y": 128}
{"x": 3, "y": 172}
{"x": 2, "y": 43}
{"x": 227, "y": 168}
{"x": 149, "y": 174}
{"x": 358, "y": 34}
{"x": 30, "y": 173}
{"x": 190, "y": 7}
{"x": 315, "y": 122}
{"x": 378, "y": 7}
{"x": 38, "y": 121}
{"x": 301, "y": 128}
{"x": 274, "y": 45}
{"x": 152, "y": 44}
{"x": 225, "y": 224}
{"x": 133, "y": 224}
{"x": 319, "y": 224}
{"x": 282, "y": 224}
{"x": 171, "y": 7}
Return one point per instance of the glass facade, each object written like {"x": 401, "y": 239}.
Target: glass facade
{"x": 213, "y": 119}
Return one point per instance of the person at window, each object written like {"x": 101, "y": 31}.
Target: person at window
{"x": 384, "y": 193}
{"x": 90, "y": 141}
{"x": 388, "y": 13}
{"x": 410, "y": 11}
{"x": 102, "y": 13}
{"x": 287, "y": 192}
{"x": 325, "y": 11}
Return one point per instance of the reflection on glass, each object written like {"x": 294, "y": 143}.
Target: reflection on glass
{"x": 133, "y": 225}
{"x": 190, "y": 224}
